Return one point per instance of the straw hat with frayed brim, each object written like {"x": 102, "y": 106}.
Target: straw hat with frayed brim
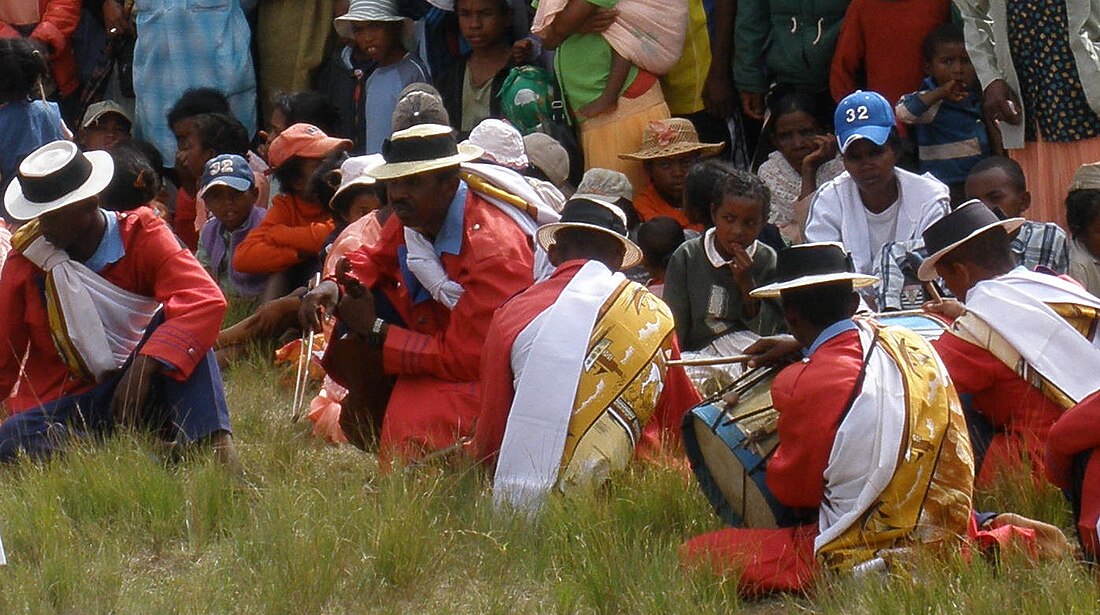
{"x": 420, "y": 149}
{"x": 673, "y": 137}
{"x": 56, "y": 175}
{"x": 595, "y": 215}
{"x": 813, "y": 264}
{"x": 367, "y": 10}
{"x": 969, "y": 220}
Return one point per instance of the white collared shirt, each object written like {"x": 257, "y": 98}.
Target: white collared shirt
{"x": 715, "y": 257}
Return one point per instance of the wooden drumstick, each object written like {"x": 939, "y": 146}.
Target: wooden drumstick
{"x": 933, "y": 293}
{"x": 739, "y": 358}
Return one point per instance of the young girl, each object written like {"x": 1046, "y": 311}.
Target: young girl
{"x": 805, "y": 158}
{"x": 709, "y": 279}
{"x": 1083, "y": 219}
{"x": 26, "y": 121}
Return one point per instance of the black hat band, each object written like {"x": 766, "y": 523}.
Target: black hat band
{"x": 795, "y": 263}
{"x": 957, "y": 226}
{"x": 584, "y": 211}
{"x": 419, "y": 149}
{"x": 57, "y": 184}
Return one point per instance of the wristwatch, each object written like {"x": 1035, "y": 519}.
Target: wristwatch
{"x": 377, "y": 335}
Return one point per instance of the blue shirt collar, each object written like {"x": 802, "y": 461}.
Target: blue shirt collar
{"x": 449, "y": 238}
{"x": 110, "y": 250}
{"x": 830, "y": 332}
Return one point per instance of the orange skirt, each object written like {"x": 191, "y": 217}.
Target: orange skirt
{"x": 1049, "y": 168}
{"x": 604, "y": 137}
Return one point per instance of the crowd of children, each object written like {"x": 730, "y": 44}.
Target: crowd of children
{"x": 872, "y": 167}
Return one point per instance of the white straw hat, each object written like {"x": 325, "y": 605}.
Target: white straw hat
{"x": 55, "y": 175}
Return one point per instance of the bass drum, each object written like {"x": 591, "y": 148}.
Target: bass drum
{"x": 728, "y": 445}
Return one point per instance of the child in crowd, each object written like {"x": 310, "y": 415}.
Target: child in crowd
{"x": 873, "y": 202}
{"x": 1083, "y": 219}
{"x": 136, "y": 182}
{"x": 289, "y": 239}
{"x": 471, "y": 86}
{"x": 378, "y": 29}
{"x": 230, "y": 193}
{"x": 805, "y": 158}
{"x": 709, "y": 279}
{"x": 658, "y": 238}
{"x": 999, "y": 182}
{"x": 947, "y": 111}
{"x": 669, "y": 149}
{"x": 198, "y": 139}
{"x": 699, "y": 189}
{"x": 105, "y": 125}
{"x": 879, "y": 48}
{"x": 26, "y": 121}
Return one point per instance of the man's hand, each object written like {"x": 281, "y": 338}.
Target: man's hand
{"x": 318, "y": 303}
{"x": 357, "y": 312}
{"x": 752, "y": 104}
{"x": 115, "y": 20}
{"x": 948, "y": 308}
{"x": 999, "y": 102}
{"x": 718, "y": 98}
{"x": 133, "y": 390}
{"x": 768, "y": 351}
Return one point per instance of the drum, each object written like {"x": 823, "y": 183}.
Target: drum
{"x": 728, "y": 445}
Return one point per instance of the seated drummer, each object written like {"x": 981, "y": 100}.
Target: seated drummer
{"x": 563, "y": 404}
{"x": 1024, "y": 351}
{"x": 445, "y": 262}
{"x": 869, "y": 468}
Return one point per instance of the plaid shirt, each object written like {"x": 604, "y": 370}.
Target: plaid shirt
{"x": 1037, "y": 244}
{"x": 185, "y": 44}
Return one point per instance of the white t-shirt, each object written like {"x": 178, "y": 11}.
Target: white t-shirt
{"x": 882, "y": 228}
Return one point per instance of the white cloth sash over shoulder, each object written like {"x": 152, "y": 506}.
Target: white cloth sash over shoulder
{"x": 538, "y": 423}
{"x": 864, "y": 456}
{"x": 103, "y": 323}
{"x": 1016, "y": 306}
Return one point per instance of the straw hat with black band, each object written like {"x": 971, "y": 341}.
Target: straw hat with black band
{"x": 969, "y": 220}
{"x": 594, "y": 215}
{"x": 56, "y": 175}
{"x": 813, "y": 264}
{"x": 420, "y": 149}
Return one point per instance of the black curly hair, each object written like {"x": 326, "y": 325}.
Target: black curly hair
{"x": 21, "y": 66}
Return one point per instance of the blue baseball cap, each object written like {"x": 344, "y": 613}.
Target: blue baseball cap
{"x": 863, "y": 115}
{"x": 227, "y": 170}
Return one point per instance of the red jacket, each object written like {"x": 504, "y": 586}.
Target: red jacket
{"x": 57, "y": 22}
{"x": 155, "y": 266}
{"x": 497, "y": 390}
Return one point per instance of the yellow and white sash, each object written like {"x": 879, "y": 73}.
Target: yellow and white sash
{"x": 95, "y": 325}
{"x": 901, "y": 469}
{"x": 589, "y": 371}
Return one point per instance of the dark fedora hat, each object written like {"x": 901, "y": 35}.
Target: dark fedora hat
{"x": 813, "y": 264}
{"x": 596, "y": 215}
{"x": 969, "y": 220}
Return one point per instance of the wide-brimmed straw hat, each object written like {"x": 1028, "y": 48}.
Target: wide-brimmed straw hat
{"x": 366, "y": 10}
{"x": 813, "y": 264}
{"x": 671, "y": 137}
{"x": 596, "y": 215}
{"x": 55, "y": 175}
{"x": 422, "y": 148}
{"x": 969, "y": 220}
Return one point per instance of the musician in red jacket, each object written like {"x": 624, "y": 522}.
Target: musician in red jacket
{"x": 107, "y": 320}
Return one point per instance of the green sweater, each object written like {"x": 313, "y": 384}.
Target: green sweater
{"x": 706, "y": 301}
{"x": 790, "y": 42}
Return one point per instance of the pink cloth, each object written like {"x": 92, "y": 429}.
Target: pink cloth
{"x": 649, "y": 33}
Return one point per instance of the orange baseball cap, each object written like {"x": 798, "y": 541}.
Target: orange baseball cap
{"x": 304, "y": 140}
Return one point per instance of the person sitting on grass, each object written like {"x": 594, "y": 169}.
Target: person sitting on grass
{"x": 230, "y": 194}
{"x": 1083, "y": 219}
{"x": 1024, "y": 350}
{"x": 288, "y": 241}
{"x": 710, "y": 280}
{"x": 572, "y": 431}
{"x": 659, "y": 238}
{"x": 873, "y": 203}
{"x": 669, "y": 149}
{"x": 133, "y": 318}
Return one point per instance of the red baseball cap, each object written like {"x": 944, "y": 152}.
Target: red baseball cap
{"x": 304, "y": 140}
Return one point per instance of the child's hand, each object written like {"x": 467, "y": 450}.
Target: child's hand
{"x": 599, "y": 22}
{"x": 741, "y": 266}
{"x": 824, "y": 150}
{"x": 521, "y": 50}
{"x": 955, "y": 91}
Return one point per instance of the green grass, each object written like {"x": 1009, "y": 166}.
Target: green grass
{"x": 318, "y": 529}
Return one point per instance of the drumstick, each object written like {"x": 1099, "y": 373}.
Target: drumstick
{"x": 305, "y": 354}
{"x": 933, "y": 293}
{"x": 740, "y": 358}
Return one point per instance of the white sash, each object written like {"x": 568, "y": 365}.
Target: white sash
{"x": 865, "y": 452}
{"x": 1015, "y": 306}
{"x": 557, "y": 343}
{"x": 106, "y": 335}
